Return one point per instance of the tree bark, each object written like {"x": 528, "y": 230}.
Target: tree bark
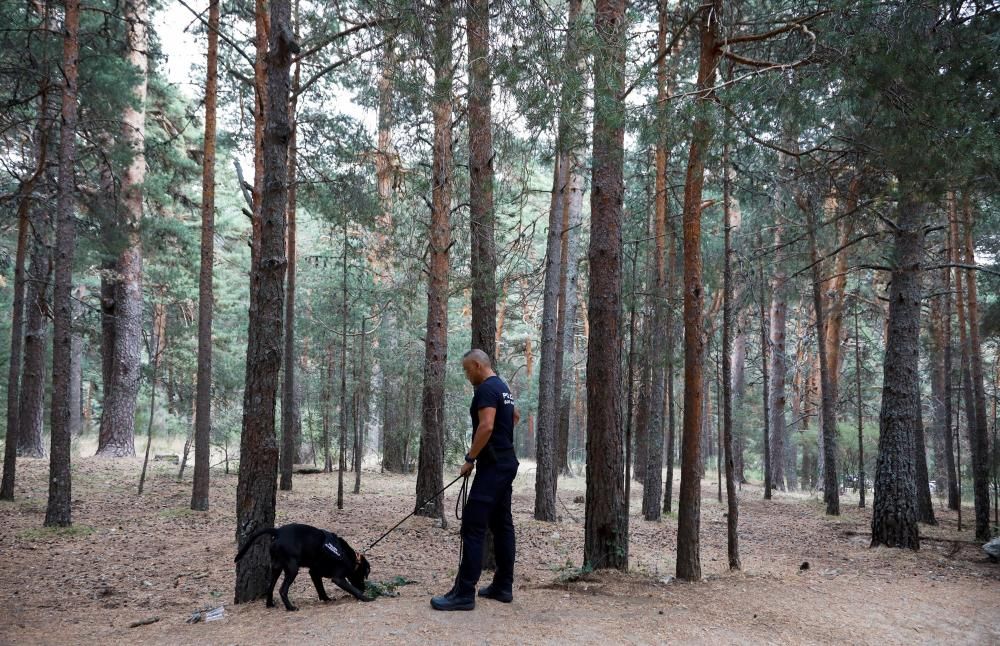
{"x": 430, "y": 469}
{"x": 732, "y": 504}
{"x": 568, "y": 294}
{"x": 30, "y": 442}
{"x": 481, "y": 218}
{"x": 941, "y": 387}
{"x": 43, "y": 127}
{"x": 572, "y": 137}
{"x": 944, "y": 339}
{"x": 117, "y": 434}
{"x": 652, "y": 491}
{"x": 689, "y": 506}
{"x": 778, "y": 363}
{"x": 831, "y": 488}
{"x": 206, "y": 293}
{"x": 894, "y": 512}
{"x": 671, "y": 363}
{"x": 57, "y": 512}
{"x": 978, "y": 433}
{"x": 862, "y": 485}
{"x": 76, "y": 366}
{"x": 255, "y": 493}
{"x": 546, "y": 472}
{"x": 765, "y": 333}
{"x": 606, "y": 519}
{"x": 290, "y": 420}
{"x": 344, "y": 313}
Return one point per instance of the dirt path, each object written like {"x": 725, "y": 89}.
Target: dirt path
{"x": 132, "y": 559}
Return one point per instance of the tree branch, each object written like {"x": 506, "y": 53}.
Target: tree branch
{"x": 221, "y": 35}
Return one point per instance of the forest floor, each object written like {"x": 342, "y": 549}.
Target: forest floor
{"x": 132, "y": 559}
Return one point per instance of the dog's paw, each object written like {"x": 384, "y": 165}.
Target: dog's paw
{"x": 291, "y": 608}
{"x": 270, "y": 603}
{"x": 366, "y": 599}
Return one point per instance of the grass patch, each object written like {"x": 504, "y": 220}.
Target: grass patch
{"x": 41, "y": 533}
{"x": 176, "y": 512}
{"x": 570, "y": 574}
{"x": 375, "y": 589}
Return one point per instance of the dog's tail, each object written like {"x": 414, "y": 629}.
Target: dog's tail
{"x": 253, "y": 538}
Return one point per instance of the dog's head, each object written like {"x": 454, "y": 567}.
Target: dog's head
{"x": 360, "y": 573}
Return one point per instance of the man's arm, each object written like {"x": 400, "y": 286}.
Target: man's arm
{"x": 517, "y": 416}
{"x": 487, "y": 416}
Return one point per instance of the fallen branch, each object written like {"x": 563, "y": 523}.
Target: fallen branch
{"x": 144, "y": 622}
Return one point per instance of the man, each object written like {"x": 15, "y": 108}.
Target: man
{"x": 492, "y": 455}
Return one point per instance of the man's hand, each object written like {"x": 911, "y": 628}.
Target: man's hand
{"x": 466, "y": 469}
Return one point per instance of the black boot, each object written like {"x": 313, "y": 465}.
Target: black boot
{"x": 490, "y": 592}
{"x": 453, "y": 601}
{"x": 460, "y": 597}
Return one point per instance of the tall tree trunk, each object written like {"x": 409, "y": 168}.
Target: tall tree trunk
{"x": 483, "y": 259}
{"x": 76, "y": 366}
{"x": 290, "y": 420}
{"x": 862, "y": 485}
{"x": 568, "y": 294}
{"x": 605, "y": 534}
{"x": 652, "y": 491}
{"x": 430, "y": 469}
{"x": 344, "y": 313}
{"x": 41, "y": 133}
{"x": 206, "y": 294}
{"x": 831, "y": 488}
{"x": 481, "y": 219}
{"x": 30, "y": 442}
{"x": 546, "y": 472}
{"x": 572, "y": 137}
{"x": 643, "y": 368}
{"x": 327, "y": 396}
{"x": 765, "y": 334}
{"x": 157, "y": 348}
{"x": 965, "y": 356}
{"x": 894, "y": 512}
{"x": 671, "y": 330}
{"x": 57, "y": 512}
{"x": 262, "y": 27}
{"x": 117, "y": 434}
{"x": 732, "y": 504}
{"x": 778, "y": 363}
{"x": 630, "y": 390}
{"x": 255, "y": 492}
{"x": 978, "y": 433}
{"x": 361, "y": 412}
{"x": 16, "y": 340}
{"x": 689, "y": 506}
{"x": 940, "y": 363}
{"x": 738, "y": 351}
{"x": 946, "y": 344}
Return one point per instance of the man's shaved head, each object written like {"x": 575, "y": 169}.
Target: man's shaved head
{"x": 478, "y": 356}
{"x": 477, "y": 366}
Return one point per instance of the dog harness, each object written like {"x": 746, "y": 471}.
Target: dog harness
{"x": 332, "y": 545}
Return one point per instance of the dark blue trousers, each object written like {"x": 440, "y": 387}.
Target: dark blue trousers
{"x": 488, "y": 506}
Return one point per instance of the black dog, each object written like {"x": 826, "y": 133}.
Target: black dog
{"x": 324, "y": 553}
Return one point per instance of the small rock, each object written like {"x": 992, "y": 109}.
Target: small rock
{"x": 992, "y": 549}
{"x": 804, "y": 566}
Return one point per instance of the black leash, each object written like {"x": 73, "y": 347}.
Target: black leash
{"x": 421, "y": 506}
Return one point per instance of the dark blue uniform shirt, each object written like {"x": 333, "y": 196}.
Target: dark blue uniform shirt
{"x": 494, "y": 393}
